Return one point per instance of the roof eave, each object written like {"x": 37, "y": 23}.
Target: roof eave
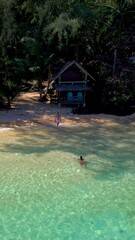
{"x": 69, "y": 65}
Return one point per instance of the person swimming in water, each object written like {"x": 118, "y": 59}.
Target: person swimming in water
{"x": 82, "y": 161}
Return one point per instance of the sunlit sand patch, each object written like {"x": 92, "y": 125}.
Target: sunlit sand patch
{"x": 3, "y": 129}
{"x": 132, "y": 123}
{"x": 86, "y": 123}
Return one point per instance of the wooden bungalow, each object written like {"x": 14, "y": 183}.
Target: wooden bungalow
{"x": 71, "y": 84}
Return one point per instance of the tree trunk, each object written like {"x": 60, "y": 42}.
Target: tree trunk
{"x": 114, "y": 62}
{"x": 8, "y": 105}
{"x": 49, "y": 80}
{"x": 40, "y": 89}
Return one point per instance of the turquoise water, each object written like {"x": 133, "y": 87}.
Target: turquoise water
{"x": 46, "y": 194}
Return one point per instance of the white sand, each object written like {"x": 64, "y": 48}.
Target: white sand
{"x": 28, "y": 110}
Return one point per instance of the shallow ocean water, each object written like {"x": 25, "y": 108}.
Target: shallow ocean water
{"x": 46, "y": 194}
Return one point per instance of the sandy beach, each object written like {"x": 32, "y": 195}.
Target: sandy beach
{"x": 27, "y": 110}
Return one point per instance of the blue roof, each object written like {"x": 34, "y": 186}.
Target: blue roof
{"x": 70, "y": 87}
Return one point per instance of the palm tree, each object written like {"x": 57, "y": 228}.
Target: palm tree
{"x": 116, "y": 17}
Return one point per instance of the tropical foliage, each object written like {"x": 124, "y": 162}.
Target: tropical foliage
{"x": 36, "y": 36}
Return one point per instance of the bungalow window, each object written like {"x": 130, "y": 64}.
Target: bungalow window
{"x": 70, "y": 96}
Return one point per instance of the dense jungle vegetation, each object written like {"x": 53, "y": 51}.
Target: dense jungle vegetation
{"x": 38, "y": 36}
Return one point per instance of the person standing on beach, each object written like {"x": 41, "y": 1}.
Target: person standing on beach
{"x": 57, "y": 119}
